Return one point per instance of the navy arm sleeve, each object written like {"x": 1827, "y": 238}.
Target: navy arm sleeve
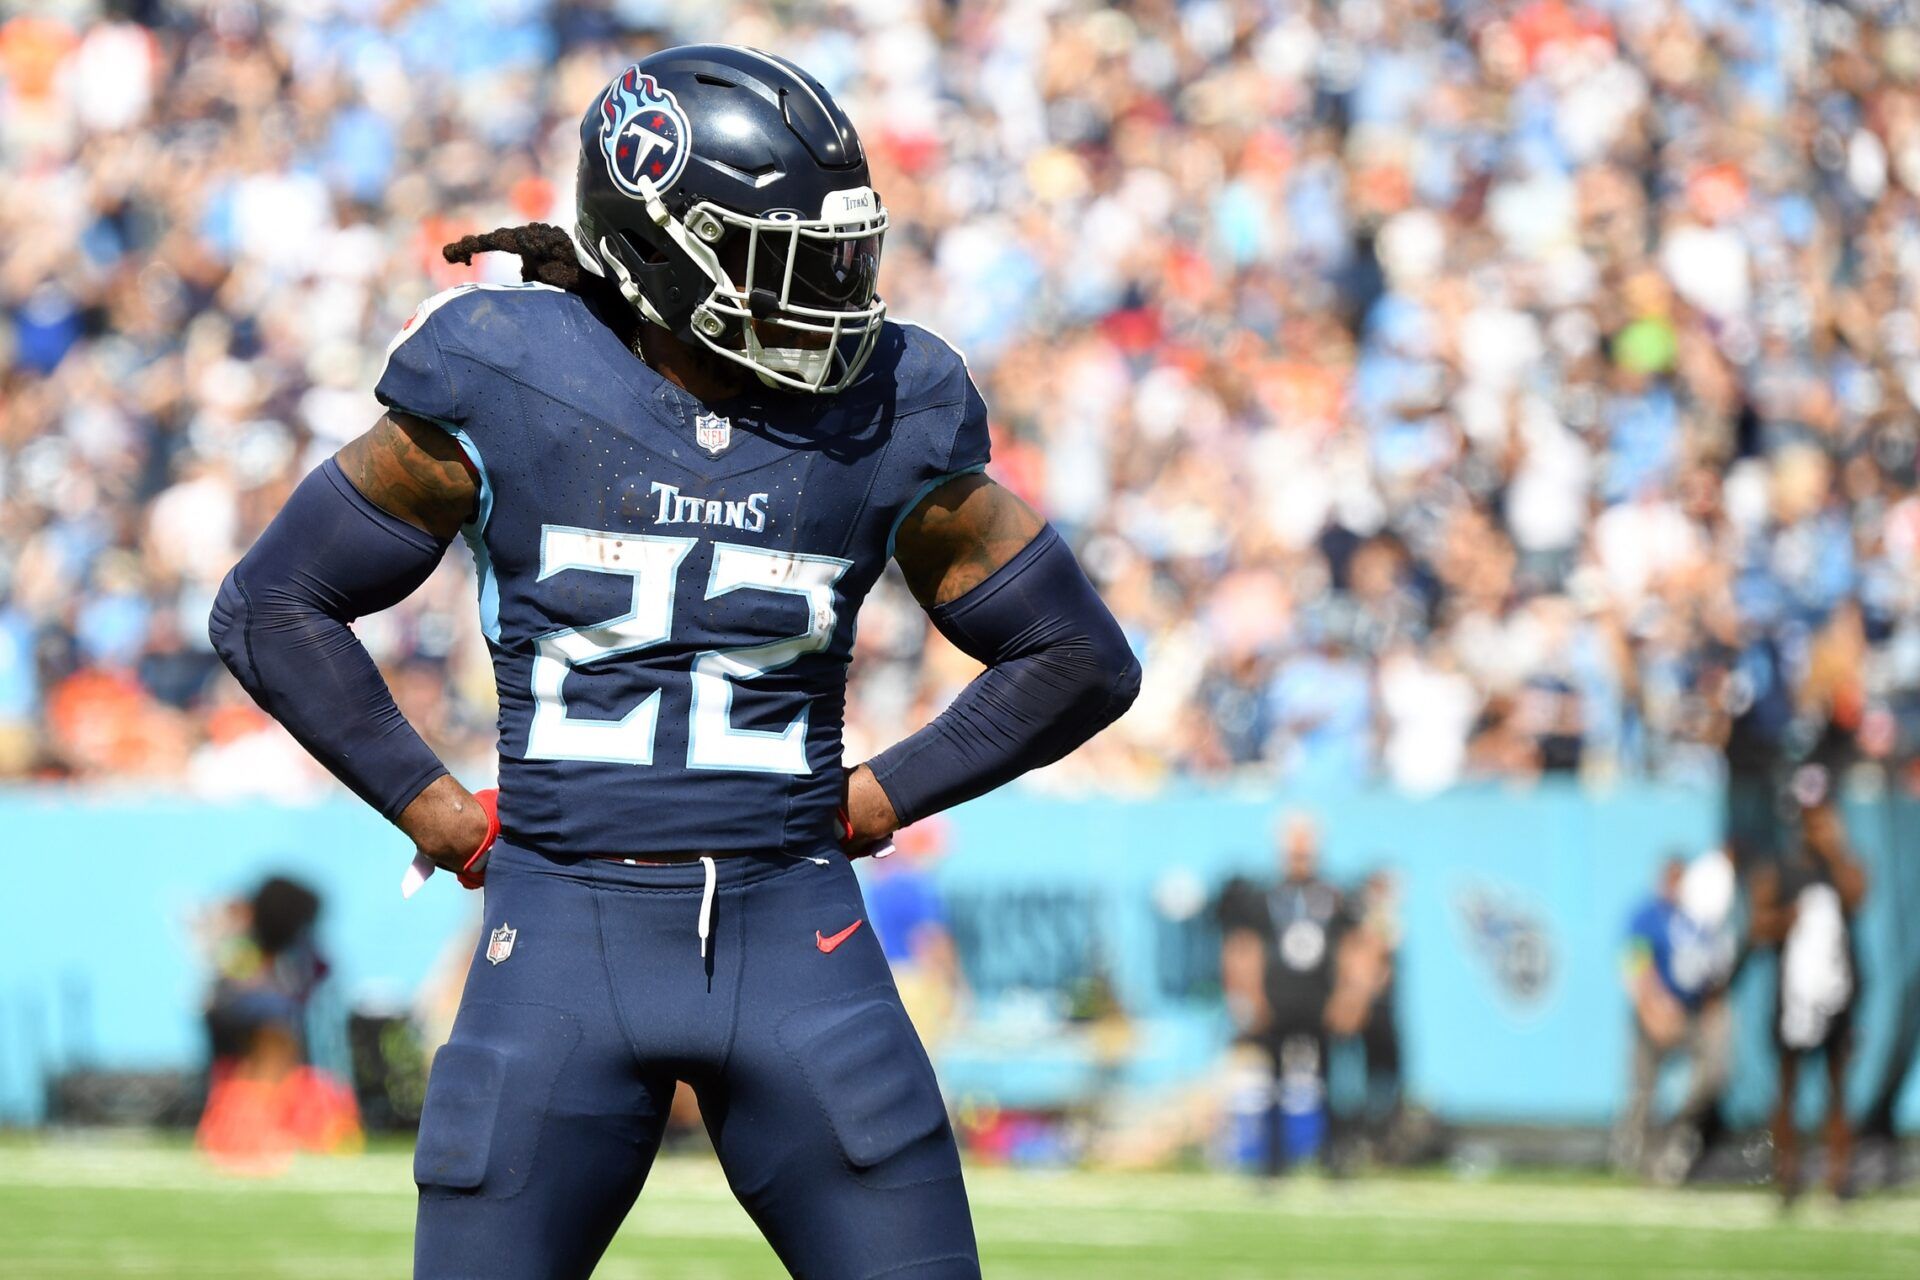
{"x": 280, "y": 624}
{"x": 1059, "y": 670}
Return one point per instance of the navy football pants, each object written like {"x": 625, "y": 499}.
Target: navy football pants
{"x": 544, "y": 1111}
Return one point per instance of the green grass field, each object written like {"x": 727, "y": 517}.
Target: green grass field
{"x": 96, "y": 1209}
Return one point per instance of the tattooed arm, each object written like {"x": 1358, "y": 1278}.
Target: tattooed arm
{"x": 414, "y": 470}
{"x": 959, "y": 535}
{"x": 358, "y": 535}
{"x": 1004, "y": 588}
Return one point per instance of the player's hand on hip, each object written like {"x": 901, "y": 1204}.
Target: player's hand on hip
{"x": 453, "y": 828}
{"x": 867, "y": 820}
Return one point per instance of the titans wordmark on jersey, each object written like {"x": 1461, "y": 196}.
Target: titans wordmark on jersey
{"x": 670, "y": 623}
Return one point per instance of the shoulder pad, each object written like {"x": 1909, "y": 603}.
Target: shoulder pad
{"x": 928, "y": 370}
{"x": 497, "y": 325}
{"x": 934, "y": 378}
{"x": 940, "y": 420}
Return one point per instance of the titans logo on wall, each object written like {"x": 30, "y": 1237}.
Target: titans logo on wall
{"x": 1511, "y": 940}
{"x": 643, "y": 133}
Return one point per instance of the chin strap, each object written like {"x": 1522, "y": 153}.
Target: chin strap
{"x": 809, "y": 364}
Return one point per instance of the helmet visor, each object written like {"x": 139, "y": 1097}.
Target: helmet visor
{"x": 834, "y": 275}
{"x": 782, "y": 263}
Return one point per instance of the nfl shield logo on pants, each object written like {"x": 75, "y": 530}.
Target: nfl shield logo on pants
{"x": 500, "y": 943}
{"x": 713, "y": 432}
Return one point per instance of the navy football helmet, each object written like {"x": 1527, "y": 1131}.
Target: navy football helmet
{"x": 727, "y": 195}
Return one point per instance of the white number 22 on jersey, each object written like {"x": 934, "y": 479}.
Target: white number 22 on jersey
{"x": 653, "y": 564}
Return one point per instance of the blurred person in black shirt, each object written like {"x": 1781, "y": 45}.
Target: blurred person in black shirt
{"x": 1806, "y": 906}
{"x": 1279, "y": 944}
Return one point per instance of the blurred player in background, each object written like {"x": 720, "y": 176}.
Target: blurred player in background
{"x": 682, "y": 453}
{"x": 1806, "y": 906}
{"x": 1681, "y": 952}
{"x": 265, "y": 1098}
{"x": 267, "y": 966}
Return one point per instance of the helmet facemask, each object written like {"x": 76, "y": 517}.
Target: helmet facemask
{"x": 791, "y": 298}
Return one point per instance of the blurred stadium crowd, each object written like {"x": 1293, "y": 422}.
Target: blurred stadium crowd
{"x": 1439, "y": 388}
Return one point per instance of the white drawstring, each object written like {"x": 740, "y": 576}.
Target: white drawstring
{"x": 706, "y": 894}
{"x": 706, "y": 904}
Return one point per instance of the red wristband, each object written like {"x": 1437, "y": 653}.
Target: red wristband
{"x": 870, "y": 849}
{"x": 473, "y": 873}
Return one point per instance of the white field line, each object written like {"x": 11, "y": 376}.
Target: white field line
{"x": 686, "y": 1198}
{"x": 1432, "y": 1199}
{"x": 689, "y": 1196}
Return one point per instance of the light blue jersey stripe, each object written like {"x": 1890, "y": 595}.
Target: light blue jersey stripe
{"x": 475, "y": 533}
{"x": 920, "y": 496}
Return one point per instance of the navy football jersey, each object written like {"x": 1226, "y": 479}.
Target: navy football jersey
{"x": 668, "y": 587}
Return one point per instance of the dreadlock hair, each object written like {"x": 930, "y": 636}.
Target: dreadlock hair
{"x": 547, "y": 256}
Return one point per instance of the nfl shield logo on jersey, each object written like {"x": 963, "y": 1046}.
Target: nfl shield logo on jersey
{"x": 500, "y": 943}
{"x": 713, "y": 432}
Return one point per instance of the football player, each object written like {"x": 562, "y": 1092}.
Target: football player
{"x": 682, "y": 452}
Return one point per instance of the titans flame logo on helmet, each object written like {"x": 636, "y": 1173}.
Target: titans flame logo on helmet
{"x": 643, "y": 133}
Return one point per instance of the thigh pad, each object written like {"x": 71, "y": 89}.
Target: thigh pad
{"x": 865, "y": 1067}
{"x": 489, "y": 1090}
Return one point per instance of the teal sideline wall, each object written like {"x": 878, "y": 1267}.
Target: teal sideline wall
{"x": 96, "y": 894}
